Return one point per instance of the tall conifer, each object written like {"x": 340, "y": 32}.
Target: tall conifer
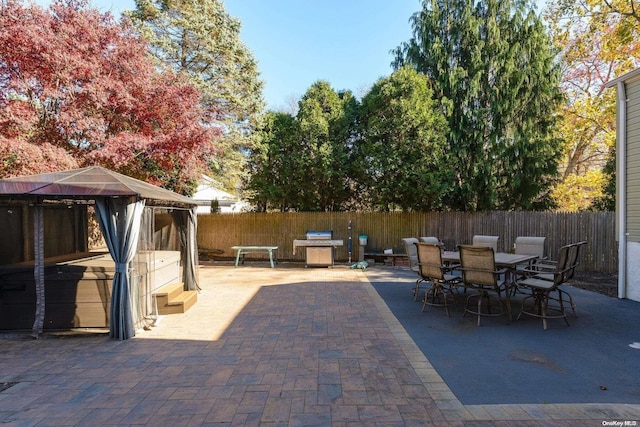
{"x": 493, "y": 70}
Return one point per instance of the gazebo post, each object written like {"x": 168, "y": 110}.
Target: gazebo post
{"x": 38, "y": 268}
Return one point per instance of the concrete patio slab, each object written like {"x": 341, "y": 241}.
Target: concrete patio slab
{"x": 591, "y": 361}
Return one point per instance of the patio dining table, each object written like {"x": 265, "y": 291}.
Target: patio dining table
{"x": 505, "y": 260}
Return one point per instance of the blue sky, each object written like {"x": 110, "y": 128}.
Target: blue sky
{"x": 297, "y": 42}
{"x": 345, "y": 42}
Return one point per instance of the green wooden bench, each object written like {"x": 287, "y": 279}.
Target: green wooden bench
{"x": 243, "y": 250}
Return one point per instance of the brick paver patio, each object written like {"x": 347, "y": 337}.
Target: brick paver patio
{"x": 268, "y": 347}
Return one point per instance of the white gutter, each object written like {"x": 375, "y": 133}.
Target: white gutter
{"x": 621, "y": 152}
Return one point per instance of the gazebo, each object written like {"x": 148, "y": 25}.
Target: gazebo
{"x": 119, "y": 202}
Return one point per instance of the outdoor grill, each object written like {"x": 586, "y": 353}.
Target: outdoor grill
{"x": 320, "y": 247}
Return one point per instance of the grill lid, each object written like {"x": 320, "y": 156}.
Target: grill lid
{"x": 319, "y": 235}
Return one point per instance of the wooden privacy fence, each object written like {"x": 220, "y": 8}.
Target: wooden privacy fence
{"x": 217, "y": 233}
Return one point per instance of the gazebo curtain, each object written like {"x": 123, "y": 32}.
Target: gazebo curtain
{"x": 187, "y": 225}
{"x": 119, "y": 220}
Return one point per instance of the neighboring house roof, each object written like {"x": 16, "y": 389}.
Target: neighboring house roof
{"x": 622, "y": 78}
{"x": 86, "y": 183}
{"x": 209, "y": 190}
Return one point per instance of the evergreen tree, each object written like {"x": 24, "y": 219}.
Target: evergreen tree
{"x": 303, "y": 163}
{"x": 492, "y": 69}
{"x": 607, "y": 201}
{"x": 273, "y": 165}
{"x": 401, "y": 146}
{"x": 326, "y": 120}
{"x": 199, "y": 38}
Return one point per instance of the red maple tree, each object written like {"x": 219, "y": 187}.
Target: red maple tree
{"x": 78, "y": 88}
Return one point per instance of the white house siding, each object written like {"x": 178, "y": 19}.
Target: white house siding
{"x": 633, "y": 188}
{"x": 633, "y": 160}
{"x": 633, "y": 270}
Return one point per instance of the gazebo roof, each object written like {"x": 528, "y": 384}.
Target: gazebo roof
{"x": 87, "y": 183}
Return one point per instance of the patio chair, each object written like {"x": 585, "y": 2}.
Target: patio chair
{"x": 543, "y": 289}
{"x": 434, "y": 271}
{"x": 430, "y": 239}
{"x": 572, "y": 263}
{"x": 528, "y": 245}
{"x": 545, "y": 270}
{"x": 488, "y": 241}
{"x": 410, "y": 249}
{"x": 412, "y": 254}
{"x": 479, "y": 274}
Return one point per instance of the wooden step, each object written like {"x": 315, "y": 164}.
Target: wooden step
{"x": 167, "y": 292}
{"x": 180, "y": 304}
{"x": 173, "y": 299}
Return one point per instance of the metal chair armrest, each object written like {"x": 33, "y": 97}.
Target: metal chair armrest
{"x": 451, "y": 267}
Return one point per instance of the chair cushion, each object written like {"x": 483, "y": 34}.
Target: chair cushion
{"x": 537, "y": 283}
